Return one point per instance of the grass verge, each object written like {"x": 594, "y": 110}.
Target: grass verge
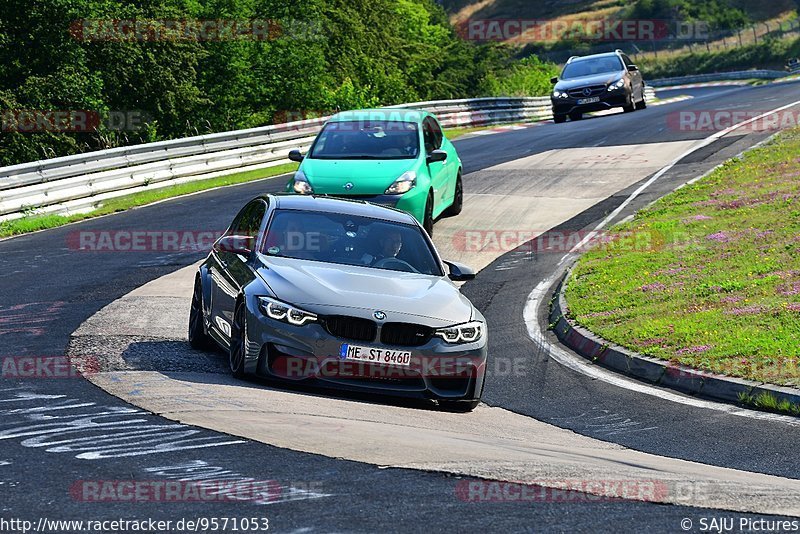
{"x": 33, "y": 222}
{"x": 454, "y": 133}
{"x": 768, "y": 402}
{"x": 709, "y": 276}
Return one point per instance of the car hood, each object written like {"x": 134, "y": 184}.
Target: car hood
{"x": 598, "y": 79}
{"x": 326, "y": 288}
{"x": 369, "y": 177}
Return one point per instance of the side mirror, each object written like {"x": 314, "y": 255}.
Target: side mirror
{"x": 554, "y": 80}
{"x": 436, "y": 155}
{"x": 633, "y": 68}
{"x": 459, "y": 272}
{"x": 295, "y": 155}
{"x": 238, "y": 244}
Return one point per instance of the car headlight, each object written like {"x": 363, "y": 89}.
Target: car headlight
{"x": 280, "y": 311}
{"x": 619, "y": 84}
{"x": 403, "y": 184}
{"x": 560, "y": 94}
{"x": 301, "y": 184}
{"x": 462, "y": 333}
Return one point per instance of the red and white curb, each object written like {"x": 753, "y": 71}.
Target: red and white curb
{"x": 672, "y": 100}
{"x": 787, "y": 79}
{"x": 504, "y": 129}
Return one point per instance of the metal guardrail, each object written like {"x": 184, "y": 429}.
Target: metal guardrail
{"x": 82, "y": 182}
{"x": 720, "y": 76}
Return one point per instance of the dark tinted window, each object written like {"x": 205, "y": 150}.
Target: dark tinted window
{"x": 437, "y": 132}
{"x": 627, "y": 60}
{"x": 367, "y": 139}
{"x": 428, "y": 136}
{"x": 349, "y": 240}
{"x": 248, "y": 221}
{"x": 591, "y": 66}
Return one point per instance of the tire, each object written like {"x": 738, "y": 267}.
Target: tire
{"x": 558, "y": 119}
{"x": 198, "y": 337}
{"x": 427, "y": 221}
{"x": 458, "y": 406}
{"x": 643, "y": 103}
{"x": 458, "y": 199}
{"x": 238, "y": 341}
{"x": 631, "y": 107}
{"x": 576, "y": 116}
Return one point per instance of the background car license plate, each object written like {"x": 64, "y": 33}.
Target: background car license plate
{"x": 591, "y": 100}
{"x": 359, "y": 353}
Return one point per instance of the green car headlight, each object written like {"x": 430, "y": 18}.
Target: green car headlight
{"x": 462, "y": 333}
{"x": 403, "y": 184}
{"x": 301, "y": 184}
{"x": 280, "y": 311}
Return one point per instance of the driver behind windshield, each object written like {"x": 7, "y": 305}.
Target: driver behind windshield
{"x": 390, "y": 244}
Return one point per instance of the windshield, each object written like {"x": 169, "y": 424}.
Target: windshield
{"x": 349, "y": 240}
{"x": 591, "y": 67}
{"x": 367, "y": 140}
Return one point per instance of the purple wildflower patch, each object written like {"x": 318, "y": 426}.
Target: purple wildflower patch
{"x": 695, "y": 218}
{"x": 671, "y": 270}
{"x": 788, "y": 289}
{"x": 746, "y": 310}
{"x": 719, "y": 237}
{"x": 655, "y": 286}
{"x": 731, "y": 299}
{"x": 725, "y": 192}
{"x": 653, "y": 341}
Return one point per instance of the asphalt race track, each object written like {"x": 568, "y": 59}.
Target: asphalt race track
{"x": 57, "y": 434}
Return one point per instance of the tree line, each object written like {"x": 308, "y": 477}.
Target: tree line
{"x": 80, "y": 75}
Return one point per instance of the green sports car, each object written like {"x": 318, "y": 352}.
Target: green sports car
{"x": 394, "y": 157}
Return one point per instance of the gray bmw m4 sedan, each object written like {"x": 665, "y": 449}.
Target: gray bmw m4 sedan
{"x": 340, "y": 293}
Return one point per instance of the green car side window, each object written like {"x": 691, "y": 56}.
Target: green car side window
{"x": 428, "y": 136}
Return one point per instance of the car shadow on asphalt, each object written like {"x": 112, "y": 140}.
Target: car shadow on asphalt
{"x": 177, "y": 360}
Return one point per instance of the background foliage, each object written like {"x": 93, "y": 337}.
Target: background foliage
{"x": 334, "y": 54}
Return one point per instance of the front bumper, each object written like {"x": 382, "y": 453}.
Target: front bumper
{"x": 412, "y": 202}
{"x": 609, "y": 100}
{"x": 309, "y": 354}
